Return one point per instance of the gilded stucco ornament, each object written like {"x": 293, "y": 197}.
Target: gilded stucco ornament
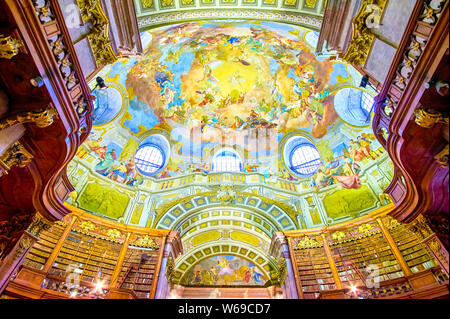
{"x": 9, "y": 46}
{"x": 365, "y": 228}
{"x": 147, "y": 3}
{"x": 145, "y": 241}
{"x": 421, "y": 227}
{"x": 338, "y": 235}
{"x": 113, "y": 233}
{"x": 309, "y": 3}
{"x": 226, "y": 194}
{"x": 170, "y": 268}
{"x": 38, "y": 224}
{"x": 427, "y": 118}
{"x": 41, "y": 118}
{"x": 86, "y": 226}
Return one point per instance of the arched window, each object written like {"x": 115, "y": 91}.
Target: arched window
{"x": 304, "y": 159}
{"x": 149, "y": 159}
{"x": 226, "y": 161}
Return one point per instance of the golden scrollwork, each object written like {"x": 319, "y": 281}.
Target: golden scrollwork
{"x": 9, "y": 46}
{"x": 86, "y": 226}
{"x": 362, "y": 37}
{"x": 113, "y": 233}
{"x": 435, "y": 245}
{"x": 92, "y": 12}
{"x": 428, "y": 118}
{"x": 338, "y": 235}
{"x": 146, "y": 242}
{"x": 42, "y": 118}
{"x": 16, "y": 155}
{"x": 38, "y": 224}
{"x": 365, "y": 228}
{"x": 24, "y": 244}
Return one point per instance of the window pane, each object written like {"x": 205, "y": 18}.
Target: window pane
{"x": 227, "y": 162}
{"x": 367, "y": 101}
{"x": 149, "y": 159}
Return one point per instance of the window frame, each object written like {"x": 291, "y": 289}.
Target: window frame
{"x": 295, "y": 168}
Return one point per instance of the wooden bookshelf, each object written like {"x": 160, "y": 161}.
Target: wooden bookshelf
{"x": 313, "y": 269}
{"x": 137, "y": 272}
{"x": 95, "y": 258}
{"x": 42, "y": 249}
{"x": 411, "y": 248}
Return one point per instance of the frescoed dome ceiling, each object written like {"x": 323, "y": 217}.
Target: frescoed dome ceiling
{"x": 234, "y": 83}
{"x": 251, "y": 91}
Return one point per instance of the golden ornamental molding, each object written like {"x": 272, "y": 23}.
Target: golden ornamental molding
{"x": 9, "y": 46}
{"x": 170, "y": 269}
{"x": 421, "y": 227}
{"x": 38, "y": 224}
{"x": 362, "y": 37}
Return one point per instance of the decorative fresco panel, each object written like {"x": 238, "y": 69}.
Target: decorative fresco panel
{"x": 224, "y": 270}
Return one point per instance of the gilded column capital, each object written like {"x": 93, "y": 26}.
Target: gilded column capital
{"x": 368, "y": 17}
{"x": 92, "y": 12}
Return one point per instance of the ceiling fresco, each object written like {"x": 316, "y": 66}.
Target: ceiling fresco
{"x": 248, "y": 85}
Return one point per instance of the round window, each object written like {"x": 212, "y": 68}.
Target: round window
{"x": 304, "y": 159}
{"x": 149, "y": 159}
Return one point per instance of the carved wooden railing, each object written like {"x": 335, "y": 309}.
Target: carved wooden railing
{"x": 414, "y": 42}
{"x": 418, "y": 54}
{"x": 40, "y": 26}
